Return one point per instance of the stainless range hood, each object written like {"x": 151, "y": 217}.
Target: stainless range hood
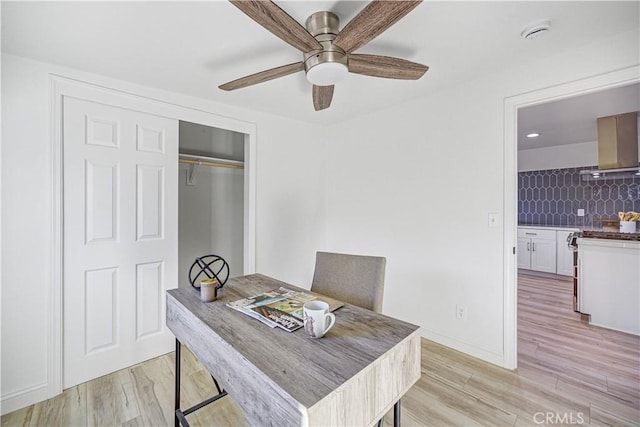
{"x": 617, "y": 148}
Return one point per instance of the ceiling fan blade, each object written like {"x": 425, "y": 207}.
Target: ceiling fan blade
{"x": 372, "y": 21}
{"x": 279, "y": 22}
{"x": 263, "y": 76}
{"x": 386, "y": 66}
{"x": 322, "y": 96}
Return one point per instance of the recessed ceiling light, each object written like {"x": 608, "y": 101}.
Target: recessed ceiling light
{"x": 533, "y": 135}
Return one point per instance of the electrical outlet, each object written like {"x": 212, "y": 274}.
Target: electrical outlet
{"x": 461, "y": 312}
{"x": 580, "y": 212}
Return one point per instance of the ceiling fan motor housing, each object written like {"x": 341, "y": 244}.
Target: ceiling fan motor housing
{"x": 324, "y": 26}
{"x": 323, "y": 23}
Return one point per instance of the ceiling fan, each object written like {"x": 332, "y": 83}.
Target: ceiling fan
{"x": 328, "y": 51}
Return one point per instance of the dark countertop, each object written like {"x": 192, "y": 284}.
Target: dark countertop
{"x": 553, "y": 227}
{"x": 589, "y": 232}
{"x": 610, "y": 235}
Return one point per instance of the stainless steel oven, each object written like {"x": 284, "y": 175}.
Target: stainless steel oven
{"x": 572, "y": 243}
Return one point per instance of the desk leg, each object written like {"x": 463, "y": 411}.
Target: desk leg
{"x": 177, "y": 401}
{"x": 180, "y": 415}
{"x": 396, "y": 414}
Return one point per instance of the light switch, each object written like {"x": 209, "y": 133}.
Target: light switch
{"x": 580, "y": 212}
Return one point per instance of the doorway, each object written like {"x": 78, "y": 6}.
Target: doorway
{"x": 555, "y": 340}
{"x": 210, "y": 197}
{"x": 512, "y": 104}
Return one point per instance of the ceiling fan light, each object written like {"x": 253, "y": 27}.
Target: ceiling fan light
{"x": 327, "y": 73}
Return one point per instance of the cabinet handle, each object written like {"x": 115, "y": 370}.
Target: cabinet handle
{"x": 533, "y": 246}
{"x": 528, "y": 246}
{"x": 531, "y": 234}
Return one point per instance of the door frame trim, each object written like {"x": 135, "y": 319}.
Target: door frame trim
{"x": 62, "y": 86}
{"x": 621, "y": 77}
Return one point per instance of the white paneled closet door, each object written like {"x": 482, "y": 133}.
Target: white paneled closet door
{"x": 120, "y": 236}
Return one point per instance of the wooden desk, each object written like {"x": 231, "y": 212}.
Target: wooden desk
{"x": 352, "y": 376}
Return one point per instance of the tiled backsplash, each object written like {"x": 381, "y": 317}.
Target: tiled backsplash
{"x": 553, "y": 197}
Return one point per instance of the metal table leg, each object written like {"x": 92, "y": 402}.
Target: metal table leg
{"x": 180, "y": 415}
{"x": 177, "y": 394}
{"x": 396, "y": 415}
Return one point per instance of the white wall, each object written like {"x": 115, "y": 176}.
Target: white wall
{"x": 562, "y": 156}
{"x": 290, "y": 225}
{"x": 26, "y": 231}
{"x": 209, "y": 141}
{"x": 210, "y": 217}
{"x": 415, "y": 183}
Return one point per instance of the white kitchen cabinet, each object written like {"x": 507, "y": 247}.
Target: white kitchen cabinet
{"x": 537, "y": 249}
{"x": 609, "y": 283}
{"x": 564, "y": 254}
{"x": 524, "y": 253}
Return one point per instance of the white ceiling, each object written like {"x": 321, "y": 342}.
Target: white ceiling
{"x": 573, "y": 120}
{"x": 192, "y": 47}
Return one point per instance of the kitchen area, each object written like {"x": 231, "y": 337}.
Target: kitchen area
{"x": 579, "y": 202}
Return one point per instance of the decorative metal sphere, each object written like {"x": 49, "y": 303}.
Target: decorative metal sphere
{"x": 209, "y": 267}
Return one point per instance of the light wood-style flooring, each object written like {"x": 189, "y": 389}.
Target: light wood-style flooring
{"x": 569, "y": 373}
{"x": 590, "y": 367}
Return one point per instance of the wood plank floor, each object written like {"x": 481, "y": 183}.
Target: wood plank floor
{"x": 568, "y": 371}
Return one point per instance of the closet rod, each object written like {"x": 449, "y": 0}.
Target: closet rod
{"x": 203, "y": 163}
{"x": 192, "y": 159}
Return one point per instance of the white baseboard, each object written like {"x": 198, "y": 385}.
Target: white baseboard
{"x": 487, "y": 356}
{"x": 22, "y": 398}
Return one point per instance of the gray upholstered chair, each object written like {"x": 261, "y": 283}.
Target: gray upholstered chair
{"x": 354, "y": 279}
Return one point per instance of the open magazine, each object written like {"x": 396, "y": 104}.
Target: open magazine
{"x": 279, "y": 307}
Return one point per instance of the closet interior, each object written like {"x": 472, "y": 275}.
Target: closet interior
{"x": 211, "y": 197}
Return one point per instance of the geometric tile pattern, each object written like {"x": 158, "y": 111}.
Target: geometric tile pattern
{"x": 553, "y": 197}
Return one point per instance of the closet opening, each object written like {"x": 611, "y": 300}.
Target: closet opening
{"x": 211, "y": 187}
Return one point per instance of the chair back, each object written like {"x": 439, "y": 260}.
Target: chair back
{"x": 353, "y": 279}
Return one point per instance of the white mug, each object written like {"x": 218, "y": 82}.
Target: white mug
{"x": 317, "y": 318}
